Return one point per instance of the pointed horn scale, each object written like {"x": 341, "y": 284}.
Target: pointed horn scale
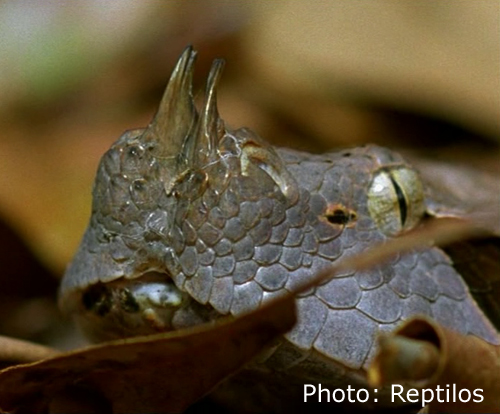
{"x": 210, "y": 126}
{"x": 176, "y": 114}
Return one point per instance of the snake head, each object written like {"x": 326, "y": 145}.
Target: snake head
{"x": 192, "y": 221}
{"x": 155, "y": 192}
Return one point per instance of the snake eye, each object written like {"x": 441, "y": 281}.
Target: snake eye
{"x": 396, "y": 200}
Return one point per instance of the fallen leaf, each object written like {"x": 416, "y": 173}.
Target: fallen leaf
{"x": 159, "y": 373}
{"x": 424, "y": 355}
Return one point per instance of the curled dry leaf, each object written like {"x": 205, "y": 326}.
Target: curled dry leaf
{"x": 158, "y": 373}
{"x": 422, "y": 354}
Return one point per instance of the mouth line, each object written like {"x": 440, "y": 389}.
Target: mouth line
{"x": 130, "y": 295}
{"x": 146, "y": 304}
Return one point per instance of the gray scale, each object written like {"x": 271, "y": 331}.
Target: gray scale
{"x": 223, "y": 266}
{"x": 422, "y": 284}
{"x": 294, "y": 238}
{"x": 317, "y": 205}
{"x": 447, "y": 313}
{"x": 229, "y": 204}
{"x": 343, "y": 293}
{"x": 223, "y": 247}
{"x": 278, "y": 214}
{"x": 368, "y": 280}
{"x": 261, "y": 233}
{"x": 234, "y": 229}
{"x": 247, "y": 296}
{"x": 329, "y": 187}
{"x": 331, "y": 250}
{"x": 201, "y": 285}
{"x": 414, "y": 305}
{"x": 400, "y": 283}
{"x": 157, "y": 222}
{"x": 210, "y": 197}
{"x": 196, "y": 213}
{"x": 382, "y": 305}
{"x": 280, "y": 232}
{"x": 271, "y": 277}
{"x": 248, "y": 214}
{"x": 216, "y": 218}
{"x": 207, "y": 257}
{"x": 325, "y": 231}
{"x": 267, "y": 255}
{"x": 346, "y": 324}
{"x": 245, "y": 271}
{"x": 310, "y": 243}
{"x": 312, "y": 314}
{"x": 243, "y": 249}
{"x": 265, "y": 206}
{"x": 201, "y": 247}
{"x": 291, "y": 258}
{"x": 307, "y": 259}
{"x": 189, "y": 261}
{"x": 450, "y": 283}
{"x": 210, "y": 234}
{"x": 297, "y": 278}
{"x": 476, "y": 324}
{"x": 295, "y": 216}
{"x": 221, "y": 295}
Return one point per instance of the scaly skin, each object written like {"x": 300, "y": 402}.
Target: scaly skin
{"x": 234, "y": 223}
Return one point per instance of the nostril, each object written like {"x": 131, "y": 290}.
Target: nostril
{"x": 97, "y": 299}
{"x": 340, "y": 215}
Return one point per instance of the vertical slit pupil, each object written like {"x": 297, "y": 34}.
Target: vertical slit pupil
{"x": 403, "y": 207}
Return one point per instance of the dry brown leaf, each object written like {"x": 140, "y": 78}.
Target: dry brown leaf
{"x": 159, "y": 373}
{"x": 443, "y": 358}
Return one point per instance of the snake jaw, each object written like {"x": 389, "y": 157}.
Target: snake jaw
{"x": 148, "y": 304}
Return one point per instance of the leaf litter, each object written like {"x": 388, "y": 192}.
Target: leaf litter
{"x": 169, "y": 372}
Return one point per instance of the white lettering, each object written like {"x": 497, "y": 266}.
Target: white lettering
{"x": 366, "y": 394}
{"x": 460, "y": 395}
{"x": 412, "y": 392}
{"x": 393, "y": 393}
{"x": 321, "y": 390}
{"x": 334, "y": 393}
{"x": 478, "y": 393}
{"x": 306, "y": 394}
{"x": 425, "y": 400}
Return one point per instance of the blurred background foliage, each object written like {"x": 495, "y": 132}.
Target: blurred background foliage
{"x": 417, "y": 76}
